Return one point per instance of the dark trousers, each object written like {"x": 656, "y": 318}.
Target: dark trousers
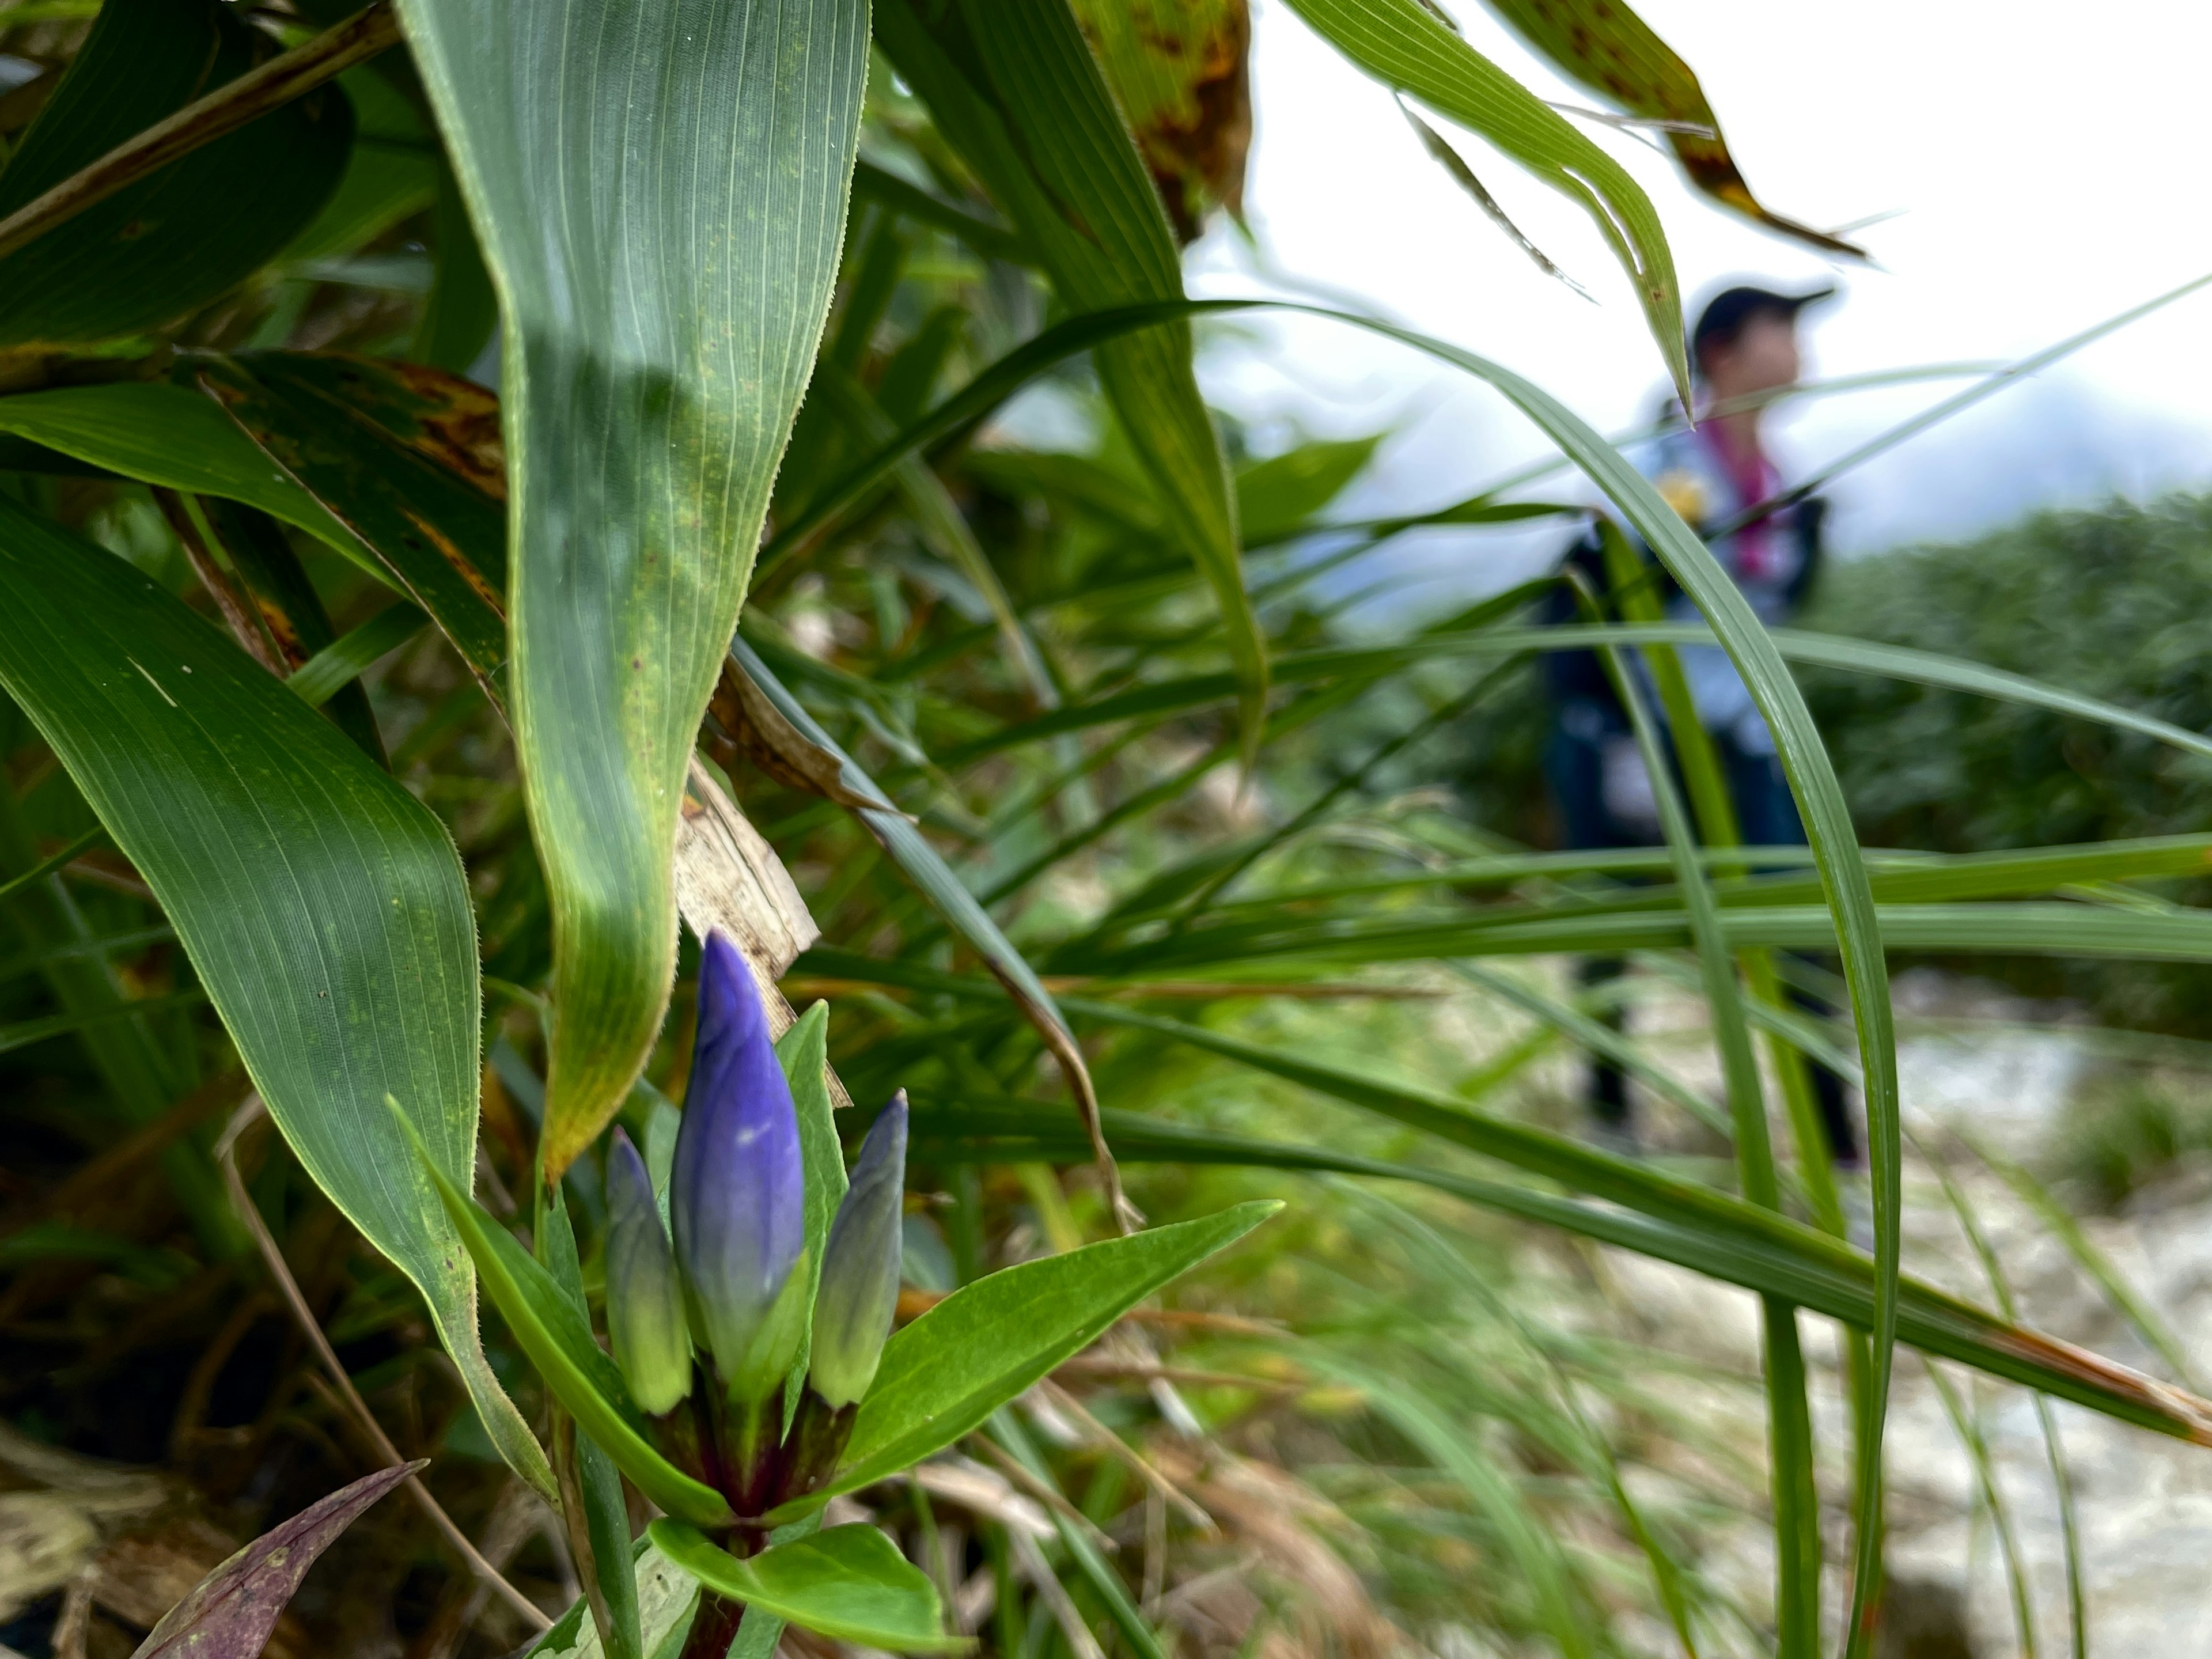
{"x": 1766, "y": 815}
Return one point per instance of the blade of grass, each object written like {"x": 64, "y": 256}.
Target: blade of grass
{"x": 1977, "y": 1448}
{"x": 1666, "y": 1573}
{"x": 2125, "y": 1300}
{"x": 1789, "y": 1416}
{"x": 1732, "y": 1242}
{"x": 2062, "y": 1479}
{"x": 948, "y": 895}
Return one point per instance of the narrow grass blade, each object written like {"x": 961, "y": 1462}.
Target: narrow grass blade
{"x": 1730, "y": 1241}
{"x": 1412, "y": 49}
{"x": 2062, "y": 1479}
{"x": 1605, "y": 47}
{"x": 2126, "y": 1300}
{"x": 1534, "y": 1553}
{"x": 1976, "y": 1446}
{"x": 1788, "y": 1416}
{"x": 353, "y": 653}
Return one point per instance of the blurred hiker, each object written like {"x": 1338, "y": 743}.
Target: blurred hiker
{"x": 1744, "y": 351}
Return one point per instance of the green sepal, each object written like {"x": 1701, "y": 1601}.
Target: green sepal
{"x": 579, "y": 1373}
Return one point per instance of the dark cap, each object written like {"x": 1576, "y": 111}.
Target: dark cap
{"x": 1727, "y": 312}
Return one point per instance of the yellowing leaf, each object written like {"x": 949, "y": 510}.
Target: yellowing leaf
{"x": 1603, "y": 46}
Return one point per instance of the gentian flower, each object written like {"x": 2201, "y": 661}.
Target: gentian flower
{"x": 860, "y": 1265}
{"x": 645, "y": 1302}
{"x": 737, "y": 1192}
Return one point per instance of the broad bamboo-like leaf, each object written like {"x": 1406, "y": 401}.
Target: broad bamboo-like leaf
{"x": 558, "y": 1340}
{"x": 408, "y": 459}
{"x": 1408, "y": 46}
{"x": 230, "y": 1614}
{"x": 170, "y": 243}
{"x": 1609, "y": 48}
{"x": 324, "y": 907}
{"x": 850, "y": 1583}
{"x": 170, "y": 436}
{"x": 984, "y": 1344}
{"x": 659, "y": 193}
{"x": 1015, "y": 89}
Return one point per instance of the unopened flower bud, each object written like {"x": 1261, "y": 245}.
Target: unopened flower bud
{"x": 645, "y": 1302}
{"x": 860, "y": 1265}
{"x": 738, "y": 1190}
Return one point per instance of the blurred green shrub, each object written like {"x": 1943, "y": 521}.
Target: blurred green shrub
{"x": 2111, "y": 601}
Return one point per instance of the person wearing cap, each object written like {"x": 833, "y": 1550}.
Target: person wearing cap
{"x": 1744, "y": 351}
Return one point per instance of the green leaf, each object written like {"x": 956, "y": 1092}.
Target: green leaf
{"x": 984, "y": 1344}
{"x": 803, "y": 1052}
{"x": 169, "y": 435}
{"x": 908, "y": 848}
{"x": 1409, "y": 47}
{"x": 1179, "y": 76}
{"x": 582, "y": 1375}
{"x": 850, "y": 1583}
{"x": 345, "y": 658}
{"x": 168, "y": 243}
{"x": 1609, "y": 50}
{"x": 1016, "y": 90}
{"x": 1279, "y": 495}
{"x": 323, "y": 906}
{"x": 659, "y": 193}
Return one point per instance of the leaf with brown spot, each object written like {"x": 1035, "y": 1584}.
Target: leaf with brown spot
{"x": 230, "y": 1612}
{"x": 398, "y": 453}
{"x": 1603, "y": 46}
{"x": 1181, "y": 74}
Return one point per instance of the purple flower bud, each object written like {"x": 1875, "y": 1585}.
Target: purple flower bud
{"x": 645, "y": 1304}
{"x": 860, "y": 1265}
{"x": 737, "y": 1192}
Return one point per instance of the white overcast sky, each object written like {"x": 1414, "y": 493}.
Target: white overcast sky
{"x": 2045, "y": 162}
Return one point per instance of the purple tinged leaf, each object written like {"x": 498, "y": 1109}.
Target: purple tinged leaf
{"x": 737, "y": 1194}
{"x": 645, "y": 1304}
{"x": 230, "y": 1614}
{"x": 860, "y": 1265}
